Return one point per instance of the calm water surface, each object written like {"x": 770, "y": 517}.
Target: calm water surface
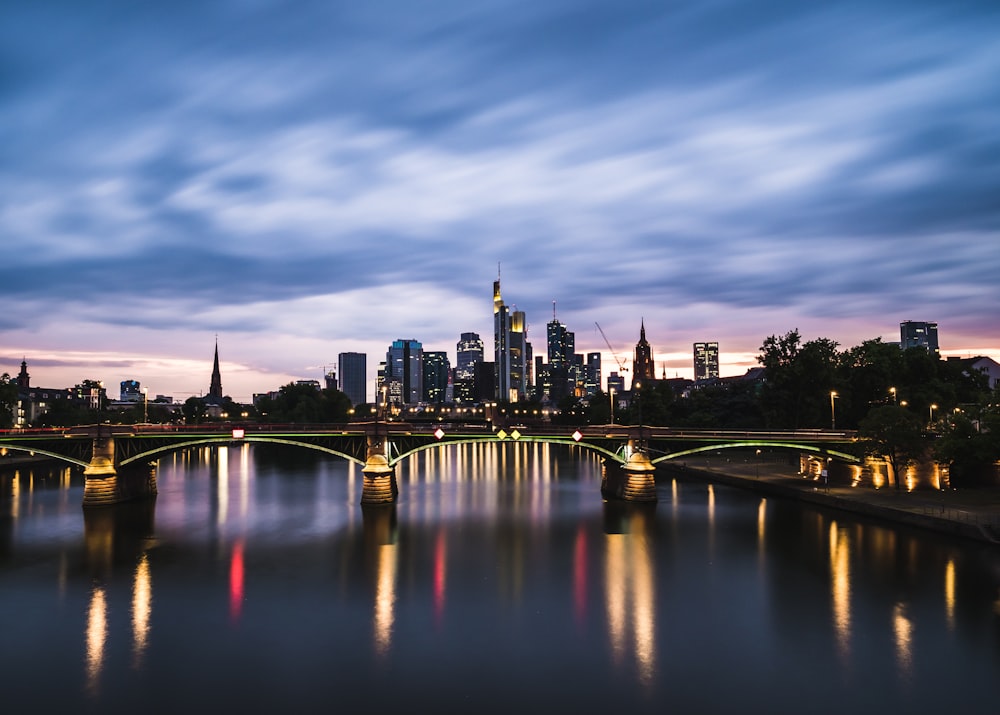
{"x": 500, "y": 582}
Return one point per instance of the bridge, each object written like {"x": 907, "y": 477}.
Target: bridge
{"x": 119, "y": 460}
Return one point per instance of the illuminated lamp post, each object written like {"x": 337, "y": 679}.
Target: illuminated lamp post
{"x": 611, "y": 395}
{"x": 833, "y": 411}
{"x": 892, "y": 391}
{"x": 932, "y": 408}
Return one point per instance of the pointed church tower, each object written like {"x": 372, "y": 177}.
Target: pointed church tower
{"x": 23, "y": 379}
{"x": 215, "y": 391}
{"x": 643, "y": 367}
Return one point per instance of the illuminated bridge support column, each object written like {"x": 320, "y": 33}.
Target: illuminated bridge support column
{"x": 101, "y": 486}
{"x": 379, "y": 485}
{"x": 634, "y": 481}
{"x": 107, "y": 484}
{"x": 640, "y": 484}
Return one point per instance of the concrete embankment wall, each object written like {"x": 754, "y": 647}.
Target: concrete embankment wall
{"x": 819, "y": 497}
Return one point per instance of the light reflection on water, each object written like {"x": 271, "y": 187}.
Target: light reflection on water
{"x": 260, "y": 567}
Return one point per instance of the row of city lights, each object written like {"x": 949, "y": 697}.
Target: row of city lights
{"x": 892, "y": 391}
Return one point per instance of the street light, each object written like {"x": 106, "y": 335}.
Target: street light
{"x": 611, "y": 394}
{"x": 833, "y": 413}
{"x": 892, "y": 390}
{"x": 933, "y": 407}
{"x": 756, "y": 466}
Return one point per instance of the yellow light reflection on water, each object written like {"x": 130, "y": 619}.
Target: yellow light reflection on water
{"x": 903, "y": 629}
{"x": 97, "y": 631}
{"x": 840, "y": 579}
{"x": 223, "y": 485}
{"x": 385, "y": 598}
{"x": 142, "y": 607}
{"x": 244, "y": 480}
{"x": 949, "y": 593}
{"x": 615, "y": 592}
{"x": 761, "y": 521}
{"x": 15, "y": 493}
{"x": 630, "y": 598}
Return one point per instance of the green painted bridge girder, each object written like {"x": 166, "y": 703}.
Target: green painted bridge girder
{"x": 352, "y": 445}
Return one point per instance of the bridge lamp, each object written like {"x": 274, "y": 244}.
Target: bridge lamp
{"x": 833, "y": 412}
{"x": 892, "y": 391}
{"x": 933, "y": 407}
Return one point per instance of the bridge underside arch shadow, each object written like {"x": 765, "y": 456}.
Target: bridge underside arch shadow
{"x": 758, "y": 444}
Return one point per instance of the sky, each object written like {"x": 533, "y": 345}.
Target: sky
{"x": 301, "y": 179}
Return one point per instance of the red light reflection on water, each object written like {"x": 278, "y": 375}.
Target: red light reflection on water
{"x": 580, "y": 576}
{"x": 236, "y": 582}
{"x": 440, "y": 573}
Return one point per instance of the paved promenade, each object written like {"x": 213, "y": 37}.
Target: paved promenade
{"x": 972, "y": 513}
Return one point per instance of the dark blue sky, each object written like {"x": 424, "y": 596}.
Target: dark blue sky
{"x": 307, "y": 178}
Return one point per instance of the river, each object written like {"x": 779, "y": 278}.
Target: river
{"x": 500, "y": 582}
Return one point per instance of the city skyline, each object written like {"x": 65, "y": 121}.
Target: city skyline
{"x": 310, "y": 183}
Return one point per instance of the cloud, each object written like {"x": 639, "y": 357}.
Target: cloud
{"x": 337, "y": 170}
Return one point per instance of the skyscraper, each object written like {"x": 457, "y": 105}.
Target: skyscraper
{"x": 915, "y": 333}
{"x": 436, "y": 368}
{"x": 469, "y": 351}
{"x": 560, "y": 343}
{"x": 592, "y": 382}
{"x": 706, "y": 361}
{"x": 501, "y": 345}
{"x": 404, "y": 371}
{"x": 518, "y": 340}
{"x": 130, "y": 391}
{"x": 643, "y": 367}
{"x": 352, "y": 376}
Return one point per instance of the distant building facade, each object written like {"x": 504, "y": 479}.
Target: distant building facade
{"x": 501, "y": 345}
{"x": 706, "y": 361}
{"x": 130, "y": 391}
{"x": 404, "y": 371}
{"x": 918, "y": 334}
{"x": 468, "y": 351}
{"x": 352, "y": 376}
{"x": 436, "y": 374}
{"x": 592, "y": 381}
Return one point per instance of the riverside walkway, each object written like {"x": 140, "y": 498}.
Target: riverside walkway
{"x": 973, "y": 512}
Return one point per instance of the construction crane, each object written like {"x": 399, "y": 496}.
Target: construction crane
{"x": 621, "y": 365}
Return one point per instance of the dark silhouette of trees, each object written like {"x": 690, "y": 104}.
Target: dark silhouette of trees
{"x": 303, "y": 404}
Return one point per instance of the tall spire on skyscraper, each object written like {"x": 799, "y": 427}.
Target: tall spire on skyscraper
{"x": 215, "y": 390}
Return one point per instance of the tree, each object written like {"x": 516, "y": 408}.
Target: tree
{"x": 598, "y": 409}
{"x": 968, "y": 448}
{"x": 303, "y": 403}
{"x": 194, "y": 410}
{"x": 8, "y": 401}
{"x": 894, "y": 434}
{"x": 798, "y": 380}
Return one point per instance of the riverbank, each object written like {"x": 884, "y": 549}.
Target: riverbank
{"x": 970, "y": 513}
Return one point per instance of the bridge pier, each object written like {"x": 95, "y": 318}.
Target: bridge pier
{"x": 379, "y": 478}
{"x": 634, "y": 481}
{"x": 105, "y": 486}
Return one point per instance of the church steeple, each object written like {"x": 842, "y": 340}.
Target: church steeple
{"x": 644, "y": 369}
{"x": 215, "y": 391}
{"x": 23, "y": 380}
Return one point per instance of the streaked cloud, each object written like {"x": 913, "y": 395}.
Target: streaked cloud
{"x": 324, "y": 175}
